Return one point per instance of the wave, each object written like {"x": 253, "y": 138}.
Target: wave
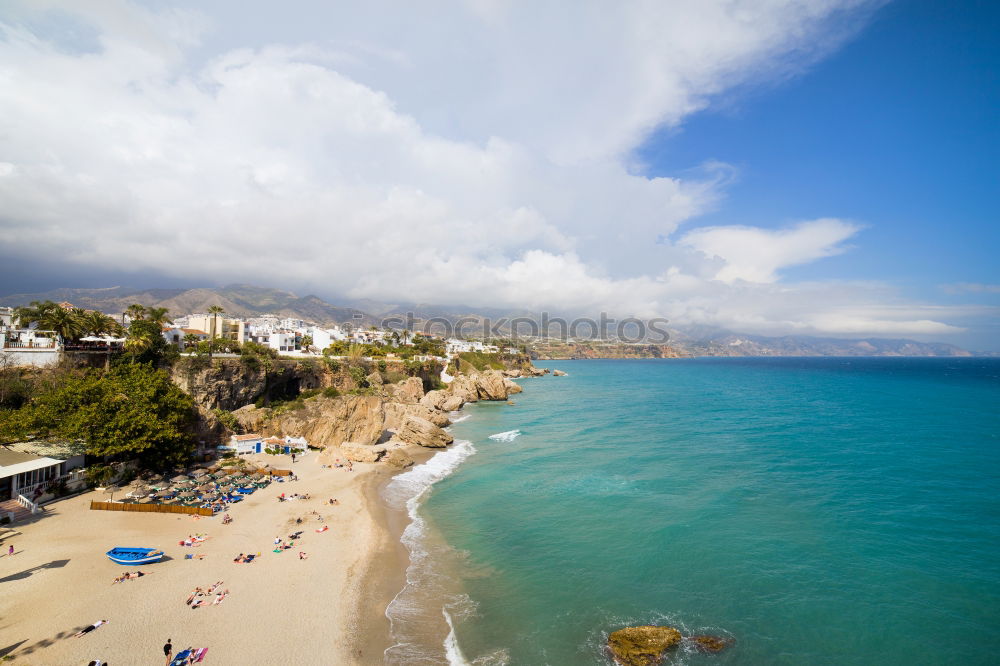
{"x": 408, "y": 611}
{"x": 459, "y": 419}
{"x": 508, "y": 436}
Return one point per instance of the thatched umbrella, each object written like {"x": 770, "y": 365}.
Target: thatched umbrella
{"x": 198, "y": 473}
{"x": 111, "y": 490}
{"x": 180, "y": 478}
{"x": 208, "y": 487}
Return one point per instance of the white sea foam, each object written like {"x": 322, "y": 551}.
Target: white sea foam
{"x": 508, "y": 436}
{"x": 407, "y": 611}
{"x": 460, "y": 418}
{"x": 452, "y": 652}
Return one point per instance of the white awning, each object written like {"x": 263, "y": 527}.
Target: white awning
{"x": 29, "y": 466}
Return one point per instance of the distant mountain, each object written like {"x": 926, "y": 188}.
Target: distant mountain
{"x": 734, "y": 344}
{"x": 243, "y": 300}
{"x": 238, "y": 300}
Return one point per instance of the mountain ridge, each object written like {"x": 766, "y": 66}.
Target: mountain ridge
{"x": 245, "y": 300}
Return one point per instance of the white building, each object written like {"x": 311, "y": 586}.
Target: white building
{"x": 282, "y": 341}
{"x": 27, "y": 469}
{"x": 455, "y": 346}
{"x": 175, "y": 335}
{"x": 30, "y": 347}
{"x": 245, "y": 444}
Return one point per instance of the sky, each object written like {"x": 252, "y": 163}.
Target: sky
{"x": 823, "y": 167}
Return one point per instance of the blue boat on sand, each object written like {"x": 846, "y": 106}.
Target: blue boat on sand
{"x": 133, "y": 556}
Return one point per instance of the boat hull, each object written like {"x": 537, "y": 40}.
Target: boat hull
{"x": 134, "y": 556}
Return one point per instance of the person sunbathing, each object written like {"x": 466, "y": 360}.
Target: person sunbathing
{"x": 194, "y": 594}
{"x": 239, "y": 559}
{"x": 120, "y": 579}
{"x": 303, "y": 556}
{"x": 220, "y": 597}
{"x": 197, "y": 603}
{"x": 138, "y": 574}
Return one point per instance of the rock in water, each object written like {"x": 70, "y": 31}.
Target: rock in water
{"x": 416, "y": 430}
{"x": 711, "y": 643}
{"x": 642, "y": 646}
{"x": 558, "y": 373}
{"x": 452, "y": 403}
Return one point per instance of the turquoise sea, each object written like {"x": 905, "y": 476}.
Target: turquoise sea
{"x": 818, "y": 511}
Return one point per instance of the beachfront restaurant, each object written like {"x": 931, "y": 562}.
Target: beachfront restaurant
{"x": 27, "y": 468}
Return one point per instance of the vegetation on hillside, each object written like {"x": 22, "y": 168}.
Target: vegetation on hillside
{"x": 131, "y": 411}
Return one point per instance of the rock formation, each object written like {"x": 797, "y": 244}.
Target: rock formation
{"x": 396, "y": 414}
{"x": 416, "y": 430}
{"x": 410, "y": 391}
{"x": 358, "y": 452}
{"x": 558, "y": 373}
{"x": 489, "y": 385}
{"x": 711, "y": 644}
{"x": 398, "y": 458}
{"x": 642, "y": 646}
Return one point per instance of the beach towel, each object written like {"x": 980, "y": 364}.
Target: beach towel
{"x": 199, "y": 654}
{"x": 323, "y": 529}
{"x": 180, "y": 659}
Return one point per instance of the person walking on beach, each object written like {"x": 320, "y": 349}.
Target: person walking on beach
{"x": 87, "y": 630}
{"x": 10, "y": 551}
{"x": 168, "y": 649}
{"x": 293, "y": 458}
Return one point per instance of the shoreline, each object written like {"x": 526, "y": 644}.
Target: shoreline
{"x": 385, "y": 573}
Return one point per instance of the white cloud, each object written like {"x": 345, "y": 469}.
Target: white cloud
{"x": 478, "y": 156}
{"x": 756, "y": 255}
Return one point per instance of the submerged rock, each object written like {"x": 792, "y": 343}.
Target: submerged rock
{"x": 642, "y": 646}
{"x": 711, "y": 644}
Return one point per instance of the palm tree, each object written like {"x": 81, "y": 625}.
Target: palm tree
{"x": 136, "y": 311}
{"x": 190, "y": 340}
{"x": 215, "y": 311}
{"x": 136, "y": 344}
{"x": 28, "y": 314}
{"x": 97, "y": 323}
{"x": 158, "y": 316}
{"x": 64, "y": 322}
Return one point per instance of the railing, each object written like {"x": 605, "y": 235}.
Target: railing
{"x": 27, "y": 503}
{"x": 38, "y": 343}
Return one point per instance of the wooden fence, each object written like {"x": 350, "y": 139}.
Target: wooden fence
{"x": 279, "y": 472}
{"x": 150, "y": 508}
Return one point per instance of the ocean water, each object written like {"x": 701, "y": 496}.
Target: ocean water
{"x": 817, "y": 511}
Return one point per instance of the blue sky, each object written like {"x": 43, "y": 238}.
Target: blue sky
{"x": 897, "y": 130}
{"x": 784, "y": 167}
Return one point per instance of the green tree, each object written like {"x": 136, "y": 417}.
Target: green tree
{"x": 190, "y": 340}
{"x": 67, "y": 323}
{"x": 158, "y": 316}
{"x": 215, "y": 311}
{"x": 136, "y": 311}
{"x": 129, "y": 412}
{"x": 307, "y": 342}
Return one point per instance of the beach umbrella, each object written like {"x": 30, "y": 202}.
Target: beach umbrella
{"x": 206, "y": 488}
{"x": 180, "y": 478}
{"x": 199, "y": 473}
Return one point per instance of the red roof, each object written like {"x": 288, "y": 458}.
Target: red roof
{"x": 246, "y": 438}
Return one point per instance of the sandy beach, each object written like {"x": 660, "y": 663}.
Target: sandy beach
{"x": 326, "y": 609}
